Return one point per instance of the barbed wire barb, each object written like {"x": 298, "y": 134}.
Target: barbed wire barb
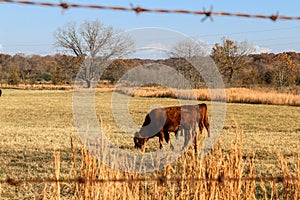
{"x": 208, "y": 14}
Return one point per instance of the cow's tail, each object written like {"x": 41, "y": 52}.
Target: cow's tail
{"x": 206, "y": 121}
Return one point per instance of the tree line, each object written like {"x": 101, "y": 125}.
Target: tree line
{"x": 266, "y": 69}
{"x": 95, "y": 52}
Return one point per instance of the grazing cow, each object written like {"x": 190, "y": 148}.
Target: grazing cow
{"x": 160, "y": 121}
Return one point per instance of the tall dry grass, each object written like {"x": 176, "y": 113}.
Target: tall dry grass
{"x": 233, "y": 95}
{"x": 42, "y": 86}
{"x": 219, "y": 175}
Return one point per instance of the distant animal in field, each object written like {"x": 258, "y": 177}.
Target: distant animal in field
{"x": 160, "y": 121}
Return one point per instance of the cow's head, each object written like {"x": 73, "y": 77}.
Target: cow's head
{"x": 139, "y": 141}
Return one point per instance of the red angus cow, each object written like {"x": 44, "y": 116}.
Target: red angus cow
{"x": 160, "y": 121}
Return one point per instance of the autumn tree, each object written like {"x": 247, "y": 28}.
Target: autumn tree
{"x": 230, "y": 57}
{"x": 5, "y": 61}
{"x": 95, "y": 44}
{"x": 284, "y": 70}
{"x": 116, "y": 70}
{"x": 65, "y": 68}
{"x": 21, "y": 62}
{"x": 14, "y": 75}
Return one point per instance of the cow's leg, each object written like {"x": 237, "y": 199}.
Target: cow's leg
{"x": 144, "y": 147}
{"x": 195, "y": 143}
{"x": 201, "y": 126}
{"x": 168, "y": 139}
{"x": 167, "y": 136}
{"x": 144, "y": 144}
{"x": 179, "y": 131}
{"x": 186, "y": 137}
{"x": 206, "y": 124}
{"x": 161, "y": 139}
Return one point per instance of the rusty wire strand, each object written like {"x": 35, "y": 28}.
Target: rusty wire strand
{"x": 82, "y": 180}
{"x": 138, "y": 10}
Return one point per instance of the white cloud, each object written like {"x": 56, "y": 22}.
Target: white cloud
{"x": 151, "y": 51}
{"x": 156, "y": 46}
{"x": 158, "y": 50}
{"x": 259, "y": 49}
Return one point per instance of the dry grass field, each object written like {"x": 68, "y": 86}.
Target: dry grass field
{"x": 36, "y": 128}
{"x": 233, "y": 95}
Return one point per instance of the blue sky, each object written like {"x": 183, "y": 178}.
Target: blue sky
{"x": 29, "y": 29}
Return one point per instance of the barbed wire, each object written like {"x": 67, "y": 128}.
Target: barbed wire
{"x": 139, "y": 9}
{"x": 81, "y": 180}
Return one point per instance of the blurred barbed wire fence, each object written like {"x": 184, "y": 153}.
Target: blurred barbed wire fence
{"x": 138, "y": 10}
{"x": 220, "y": 179}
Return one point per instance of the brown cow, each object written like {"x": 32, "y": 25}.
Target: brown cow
{"x": 160, "y": 121}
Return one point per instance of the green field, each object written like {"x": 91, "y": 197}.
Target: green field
{"x": 36, "y": 123}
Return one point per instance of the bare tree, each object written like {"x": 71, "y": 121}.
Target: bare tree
{"x": 189, "y": 48}
{"x": 95, "y": 44}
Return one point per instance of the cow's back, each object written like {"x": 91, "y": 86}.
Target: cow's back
{"x": 167, "y": 119}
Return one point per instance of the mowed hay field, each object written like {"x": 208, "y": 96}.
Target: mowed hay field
{"x": 35, "y": 125}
